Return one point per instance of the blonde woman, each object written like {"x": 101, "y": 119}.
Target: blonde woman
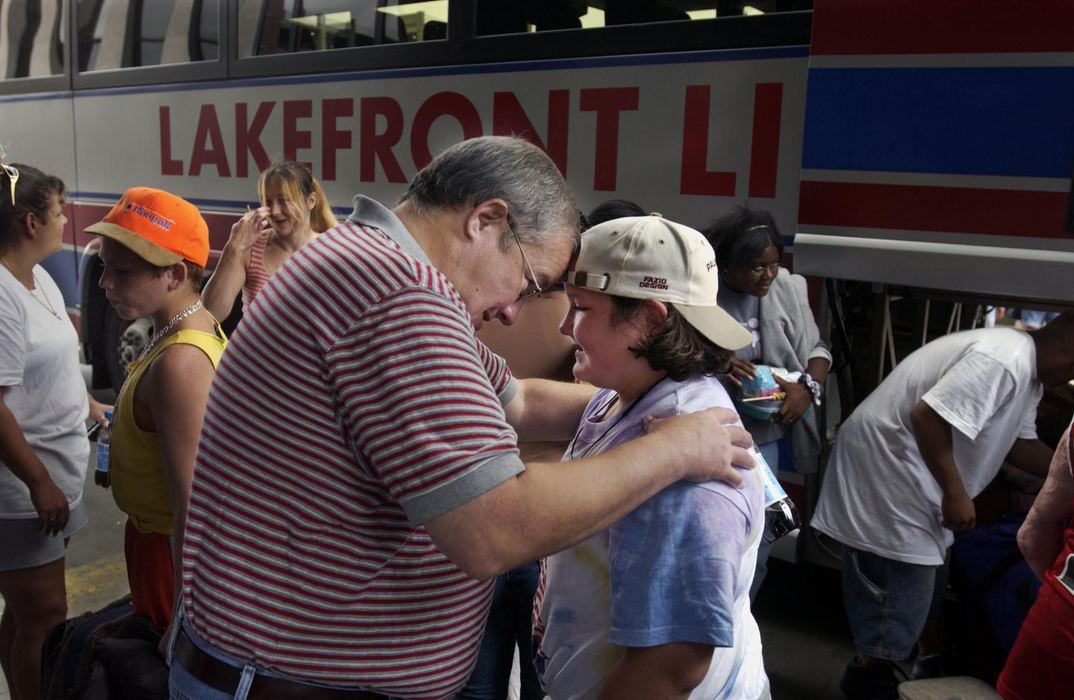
{"x": 293, "y": 211}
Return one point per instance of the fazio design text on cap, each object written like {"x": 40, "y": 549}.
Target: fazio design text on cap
{"x": 653, "y": 283}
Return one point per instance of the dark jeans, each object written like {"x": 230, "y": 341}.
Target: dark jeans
{"x": 508, "y": 625}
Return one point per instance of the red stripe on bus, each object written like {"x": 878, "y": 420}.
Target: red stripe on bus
{"x": 764, "y": 155}
{"x": 914, "y": 208}
{"x": 848, "y": 27}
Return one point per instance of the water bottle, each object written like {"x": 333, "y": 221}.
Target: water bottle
{"x": 104, "y": 438}
{"x": 780, "y": 514}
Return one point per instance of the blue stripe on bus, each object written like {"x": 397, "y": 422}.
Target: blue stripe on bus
{"x": 36, "y": 96}
{"x": 63, "y": 267}
{"x": 107, "y": 199}
{"x": 481, "y": 68}
{"x": 972, "y": 121}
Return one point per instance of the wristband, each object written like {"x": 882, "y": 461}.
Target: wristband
{"x": 812, "y": 384}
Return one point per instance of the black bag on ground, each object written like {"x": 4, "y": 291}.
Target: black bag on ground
{"x": 108, "y": 653}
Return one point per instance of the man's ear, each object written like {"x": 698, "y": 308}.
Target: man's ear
{"x": 488, "y": 218}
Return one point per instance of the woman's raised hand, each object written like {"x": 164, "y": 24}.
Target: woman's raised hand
{"x": 250, "y": 226}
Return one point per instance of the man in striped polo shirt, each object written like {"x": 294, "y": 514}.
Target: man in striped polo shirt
{"x": 358, "y": 482}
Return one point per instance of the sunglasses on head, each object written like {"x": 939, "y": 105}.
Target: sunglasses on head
{"x": 12, "y": 177}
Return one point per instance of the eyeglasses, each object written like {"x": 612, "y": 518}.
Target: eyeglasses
{"x": 761, "y": 269}
{"x": 12, "y": 177}
{"x": 535, "y": 289}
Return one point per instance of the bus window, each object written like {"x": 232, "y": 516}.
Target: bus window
{"x": 32, "y": 38}
{"x": 513, "y": 16}
{"x": 287, "y": 26}
{"x": 130, "y": 33}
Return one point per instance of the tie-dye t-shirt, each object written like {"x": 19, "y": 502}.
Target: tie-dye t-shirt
{"x": 676, "y": 569}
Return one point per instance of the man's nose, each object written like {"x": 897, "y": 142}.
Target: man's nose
{"x": 509, "y": 314}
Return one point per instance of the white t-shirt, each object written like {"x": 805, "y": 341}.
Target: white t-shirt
{"x": 676, "y": 569}
{"x": 878, "y": 495}
{"x": 46, "y": 392}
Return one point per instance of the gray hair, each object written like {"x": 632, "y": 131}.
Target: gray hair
{"x": 504, "y": 167}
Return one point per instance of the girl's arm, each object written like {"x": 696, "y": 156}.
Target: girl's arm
{"x": 664, "y": 671}
{"x": 230, "y": 274}
{"x": 19, "y": 458}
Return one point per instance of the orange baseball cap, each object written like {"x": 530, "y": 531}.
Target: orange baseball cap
{"x": 161, "y": 228}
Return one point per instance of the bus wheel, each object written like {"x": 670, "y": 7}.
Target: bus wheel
{"x": 128, "y": 339}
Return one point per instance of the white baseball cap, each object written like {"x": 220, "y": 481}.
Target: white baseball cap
{"x": 649, "y": 257}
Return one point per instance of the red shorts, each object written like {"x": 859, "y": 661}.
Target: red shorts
{"x": 150, "y": 574}
{"x": 1041, "y": 663}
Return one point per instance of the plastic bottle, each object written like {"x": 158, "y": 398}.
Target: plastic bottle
{"x": 780, "y": 514}
{"x": 104, "y": 439}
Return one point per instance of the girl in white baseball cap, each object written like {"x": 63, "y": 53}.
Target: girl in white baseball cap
{"x": 659, "y": 601}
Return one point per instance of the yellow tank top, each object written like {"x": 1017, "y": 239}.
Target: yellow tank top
{"x": 138, "y": 484}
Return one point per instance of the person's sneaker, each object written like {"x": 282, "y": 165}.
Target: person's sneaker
{"x": 928, "y": 666}
{"x": 875, "y": 681}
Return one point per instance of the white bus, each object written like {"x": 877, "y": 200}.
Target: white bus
{"x": 685, "y": 107}
{"x": 916, "y": 154}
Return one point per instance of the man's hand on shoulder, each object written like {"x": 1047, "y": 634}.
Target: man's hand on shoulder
{"x": 711, "y": 443}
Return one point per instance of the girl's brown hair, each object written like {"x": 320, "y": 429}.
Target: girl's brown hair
{"x": 679, "y": 349}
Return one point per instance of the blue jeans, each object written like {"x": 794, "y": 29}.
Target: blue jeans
{"x": 509, "y": 623}
{"x": 886, "y": 601}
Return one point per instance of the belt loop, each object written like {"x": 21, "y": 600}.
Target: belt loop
{"x": 173, "y": 631}
{"x": 245, "y": 681}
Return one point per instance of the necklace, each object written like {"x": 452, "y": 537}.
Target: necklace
{"x": 47, "y": 303}
{"x": 603, "y": 410}
{"x": 167, "y": 327}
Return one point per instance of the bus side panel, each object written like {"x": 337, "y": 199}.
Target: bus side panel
{"x": 937, "y": 169}
{"x": 617, "y": 128}
{"x": 39, "y": 131}
{"x": 687, "y": 134}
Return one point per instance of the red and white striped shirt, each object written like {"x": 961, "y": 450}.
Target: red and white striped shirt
{"x": 353, "y": 404}
{"x": 256, "y": 274}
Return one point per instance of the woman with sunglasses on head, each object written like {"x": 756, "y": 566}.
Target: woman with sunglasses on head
{"x": 773, "y": 305}
{"x": 293, "y": 211}
{"x": 43, "y": 408}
